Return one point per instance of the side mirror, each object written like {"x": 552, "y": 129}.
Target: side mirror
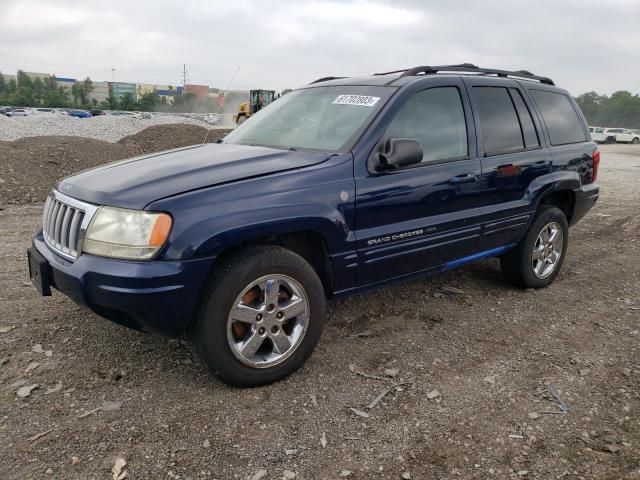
{"x": 399, "y": 153}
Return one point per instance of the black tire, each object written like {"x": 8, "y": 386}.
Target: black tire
{"x": 517, "y": 265}
{"x": 209, "y": 329}
{"x": 635, "y": 141}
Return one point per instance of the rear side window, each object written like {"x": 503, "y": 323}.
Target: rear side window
{"x": 529, "y": 133}
{"x": 560, "y": 117}
{"x": 435, "y": 118}
{"x": 501, "y": 129}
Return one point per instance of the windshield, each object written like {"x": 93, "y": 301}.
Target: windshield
{"x": 327, "y": 119}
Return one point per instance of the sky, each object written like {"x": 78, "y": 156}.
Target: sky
{"x": 583, "y": 45}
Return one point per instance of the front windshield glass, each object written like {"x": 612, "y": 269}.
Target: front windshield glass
{"x": 322, "y": 118}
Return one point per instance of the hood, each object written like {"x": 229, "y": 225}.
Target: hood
{"x": 136, "y": 182}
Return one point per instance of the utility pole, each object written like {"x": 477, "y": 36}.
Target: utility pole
{"x": 184, "y": 79}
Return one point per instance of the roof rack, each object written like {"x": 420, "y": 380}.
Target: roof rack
{"x": 468, "y": 68}
{"x": 325, "y": 79}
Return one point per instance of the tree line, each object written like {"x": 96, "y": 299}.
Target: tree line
{"x": 621, "y": 109}
{"x": 24, "y": 91}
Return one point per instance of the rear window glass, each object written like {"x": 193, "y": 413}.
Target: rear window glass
{"x": 562, "y": 121}
{"x": 498, "y": 120}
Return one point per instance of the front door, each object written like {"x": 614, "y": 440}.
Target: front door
{"x": 413, "y": 219}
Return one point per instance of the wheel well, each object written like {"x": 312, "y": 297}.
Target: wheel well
{"x": 563, "y": 199}
{"x": 309, "y": 245}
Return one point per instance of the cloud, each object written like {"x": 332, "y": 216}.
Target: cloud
{"x": 583, "y": 44}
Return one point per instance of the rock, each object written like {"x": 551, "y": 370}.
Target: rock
{"x": 626, "y": 372}
{"x": 433, "y": 394}
{"x": 259, "y": 474}
{"x": 118, "y": 465}
{"x": 391, "y": 372}
{"x": 288, "y": 475}
{"x": 108, "y": 406}
{"x": 49, "y": 471}
{"x": 290, "y": 451}
{"x": 406, "y": 475}
{"x": 323, "y": 440}
{"x": 31, "y": 366}
{"x": 491, "y": 379}
{"x": 206, "y": 443}
{"x": 534, "y": 415}
{"x": 75, "y": 460}
{"x": 612, "y": 448}
{"x": 522, "y": 473}
{"x": 54, "y": 389}
{"x": 345, "y": 473}
{"x": 25, "y": 391}
{"x": 7, "y": 329}
{"x": 37, "y": 348}
{"x": 359, "y": 413}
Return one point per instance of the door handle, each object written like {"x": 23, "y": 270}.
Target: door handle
{"x": 466, "y": 178}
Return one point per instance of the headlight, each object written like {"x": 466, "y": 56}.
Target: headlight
{"x": 129, "y": 234}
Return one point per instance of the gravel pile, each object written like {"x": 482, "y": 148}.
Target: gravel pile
{"x": 108, "y": 128}
{"x": 29, "y": 167}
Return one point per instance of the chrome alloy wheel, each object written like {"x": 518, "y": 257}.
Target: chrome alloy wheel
{"x": 268, "y": 321}
{"x": 547, "y": 250}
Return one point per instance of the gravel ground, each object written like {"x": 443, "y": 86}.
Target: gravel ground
{"x": 479, "y": 364}
{"x": 108, "y": 128}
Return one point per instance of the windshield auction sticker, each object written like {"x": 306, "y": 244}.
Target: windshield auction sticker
{"x": 362, "y": 100}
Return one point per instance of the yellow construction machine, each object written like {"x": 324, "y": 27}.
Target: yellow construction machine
{"x": 257, "y": 99}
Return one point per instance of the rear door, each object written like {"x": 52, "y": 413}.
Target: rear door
{"x": 513, "y": 155}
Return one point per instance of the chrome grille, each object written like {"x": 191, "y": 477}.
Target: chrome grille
{"x": 63, "y": 223}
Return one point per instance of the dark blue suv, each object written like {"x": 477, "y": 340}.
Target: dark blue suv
{"x": 342, "y": 186}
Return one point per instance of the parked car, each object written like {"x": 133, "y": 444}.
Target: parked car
{"x": 211, "y": 118}
{"x": 18, "y": 112}
{"x": 622, "y": 135}
{"x": 146, "y": 115}
{"x": 598, "y": 135}
{"x": 5, "y": 110}
{"x": 339, "y": 187}
{"x": 80, "y": 114}
{"x": 96, "y": 112}
{"x": 38, "y": 111}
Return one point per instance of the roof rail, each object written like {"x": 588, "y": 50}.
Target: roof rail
{"x": 466, "y": 65}
{"x": 470, "y": 68}
{"x": 325, "y": 79}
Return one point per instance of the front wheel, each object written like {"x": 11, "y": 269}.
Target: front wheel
{"x": 635, "y": 141}
{"x": 538, "y": 257}
{"x": 261, "y": 316}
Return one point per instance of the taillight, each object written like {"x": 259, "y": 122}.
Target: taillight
{"x": 595, "y": 156}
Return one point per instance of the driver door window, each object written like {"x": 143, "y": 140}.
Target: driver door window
{"x": 435, "y": 118}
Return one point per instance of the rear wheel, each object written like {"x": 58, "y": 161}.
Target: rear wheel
{"x": 538, "y": 257}
{"x": 261, "y": 316}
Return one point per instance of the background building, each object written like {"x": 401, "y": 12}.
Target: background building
{"x": 100, "y": 93}
{"x": 118, "y": 89}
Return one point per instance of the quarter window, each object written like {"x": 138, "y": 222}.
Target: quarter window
{"x": 526, "y": 122}
{"x": 435, "y": 118}
{"x": 562, "y": 121}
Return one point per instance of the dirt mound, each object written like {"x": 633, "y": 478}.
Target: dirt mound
{"x": 164, "y": 137}
{"x": 29, "y": 167}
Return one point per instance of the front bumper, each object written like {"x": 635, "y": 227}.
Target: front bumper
{"x": 155, "y": 296}
{"x": 586, "y": 197}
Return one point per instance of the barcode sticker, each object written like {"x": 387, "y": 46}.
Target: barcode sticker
{"x": 362, "y": 100}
